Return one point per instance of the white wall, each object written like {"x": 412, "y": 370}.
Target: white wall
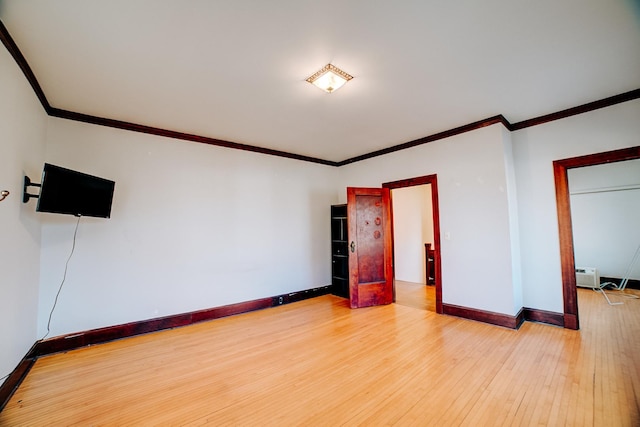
{"x": 193, "y": 226}
{"x": 605, "y": 212}
{"x": 197, "y": 226}
{"x": 477, "y": 265}
{"x": 412, "y": 228}
{"x": 427, "y": 215}
{"x": 535, "y": 149}
{"x": 513, "y": 214}
{"x": 22, "y": 136}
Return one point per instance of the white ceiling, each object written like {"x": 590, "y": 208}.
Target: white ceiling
{"x": 235, "y": 69}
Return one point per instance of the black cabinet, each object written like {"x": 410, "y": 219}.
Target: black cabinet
{"x": 339, "y": 251}
{"x": 430, "y": 264}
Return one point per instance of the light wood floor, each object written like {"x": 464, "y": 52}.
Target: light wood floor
{"x": 317, "y": 362}
{"x": 415, "y": 295}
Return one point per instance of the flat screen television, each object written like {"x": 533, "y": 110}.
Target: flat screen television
{"x": 65, "y": 191}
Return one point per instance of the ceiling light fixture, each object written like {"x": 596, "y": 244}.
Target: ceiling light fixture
{"x": 329, "y": 78}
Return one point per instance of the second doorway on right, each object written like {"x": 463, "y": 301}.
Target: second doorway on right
{"x": 414, "y": 243}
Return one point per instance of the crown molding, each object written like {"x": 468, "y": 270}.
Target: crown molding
{"x": 13, "y": 49}
{"x": 435, "y": 137}
{"x": 584, "y": 108}
{"x": 133, "y": 127}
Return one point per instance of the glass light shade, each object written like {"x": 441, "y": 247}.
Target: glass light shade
{"x": 329, "y": 78}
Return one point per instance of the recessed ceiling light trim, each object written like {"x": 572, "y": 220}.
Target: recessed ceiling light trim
{"x": 329, "y": 78}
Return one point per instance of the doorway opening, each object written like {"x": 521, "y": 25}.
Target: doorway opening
{"x": 412, "y": 247}
{"x": 565, "y": 228}
{"x": 434, "y": 250}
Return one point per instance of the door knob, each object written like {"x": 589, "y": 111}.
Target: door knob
{"x": 353, "y": 246}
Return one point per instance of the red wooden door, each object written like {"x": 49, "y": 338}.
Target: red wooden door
{"x": 370, "y": 247}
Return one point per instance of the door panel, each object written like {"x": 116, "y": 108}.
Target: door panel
{"x": 370, "y": 247}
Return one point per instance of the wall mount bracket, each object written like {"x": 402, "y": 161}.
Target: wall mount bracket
{"x": 25, "y": 195}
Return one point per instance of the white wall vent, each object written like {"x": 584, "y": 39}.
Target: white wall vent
{"x": 587, "y": 277}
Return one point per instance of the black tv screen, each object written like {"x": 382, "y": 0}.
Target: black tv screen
{"x": 65, "y": 191}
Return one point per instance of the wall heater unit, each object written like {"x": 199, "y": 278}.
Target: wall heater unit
{"x": 587, "y": 277}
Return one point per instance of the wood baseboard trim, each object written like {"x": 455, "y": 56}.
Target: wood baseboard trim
{"x": 512, "y": 322}
{"x": 98, "y": 336}
{"x": 543, "y": 316}
{"x": 102, "y": 335}
{"x": 499, "y": 319}
{"x": 14, "y": 380}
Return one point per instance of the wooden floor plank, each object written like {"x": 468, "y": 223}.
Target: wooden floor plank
{"x": 317, "y": 362}
{"x": 416, "y": 295}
